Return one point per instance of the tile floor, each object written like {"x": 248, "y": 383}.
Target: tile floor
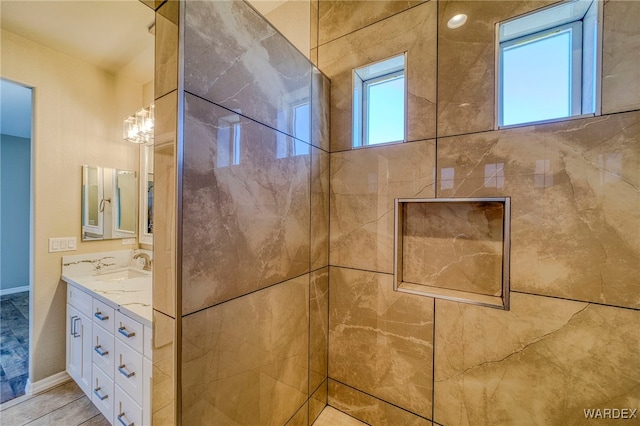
{"x": 332, "y": 417}
{"x": 14, "y": 345}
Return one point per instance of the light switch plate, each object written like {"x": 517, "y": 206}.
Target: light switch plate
{"x": 62, "y": 244}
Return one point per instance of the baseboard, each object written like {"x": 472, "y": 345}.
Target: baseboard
{"x": 46, "y": 384}
{"x": 8, "y": 291}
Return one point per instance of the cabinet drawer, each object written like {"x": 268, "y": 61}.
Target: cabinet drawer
{"x": 126, "y": 412}
{"x": 104, "y": 315}
{"x": 129, "y": 374}
{"x": 148, "y": 344}
{"x": 102, "y": 394}
{"x": 103, "y": 349}
{"x": 129, "y": 331}
{"x": 79, "y": 300}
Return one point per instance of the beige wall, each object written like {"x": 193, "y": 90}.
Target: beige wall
{"x": 77, "y": 120}
{"x": 569, "y": 341}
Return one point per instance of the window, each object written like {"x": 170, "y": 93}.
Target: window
{"x": 228, "y": 142}
{"x": 548, "y": 64}
{"x": 379, "y": 102}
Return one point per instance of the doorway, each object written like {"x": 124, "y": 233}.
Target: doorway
{"x": 15, "y": 236}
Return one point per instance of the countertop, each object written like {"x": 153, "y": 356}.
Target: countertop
{"x": 132, "y": 297}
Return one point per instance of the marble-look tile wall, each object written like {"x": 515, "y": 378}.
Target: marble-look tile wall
{"x": 242, "y": 148}
{"x": 568, "y": 343}
{"x": 165, "y": 403}
{"x": 412, "y": 31}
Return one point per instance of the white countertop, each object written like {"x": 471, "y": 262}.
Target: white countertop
{"x": 132, "y": 297}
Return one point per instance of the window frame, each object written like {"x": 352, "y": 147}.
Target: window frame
{"x": 575, "y": 67}
{"x": 589, "y": 56}
{"x": 365, "y": 77}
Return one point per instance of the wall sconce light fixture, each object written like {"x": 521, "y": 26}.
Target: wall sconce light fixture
{"x": 138, "y": 128}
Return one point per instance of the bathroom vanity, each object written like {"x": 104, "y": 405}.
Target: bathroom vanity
{"x": 109, "y": 334}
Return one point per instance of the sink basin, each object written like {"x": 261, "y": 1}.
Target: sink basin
{"x": 122, "y": 275}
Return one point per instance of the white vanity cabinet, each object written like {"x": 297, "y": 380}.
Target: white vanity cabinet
{"x": 109, "y": 356}
{"x": 79, "y": 335}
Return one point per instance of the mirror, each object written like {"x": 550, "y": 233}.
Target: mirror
{"x": 146, "y": 194}
{"x": 109, "y": 203}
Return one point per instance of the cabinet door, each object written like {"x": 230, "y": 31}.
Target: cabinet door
{"x": 79, "y": 348}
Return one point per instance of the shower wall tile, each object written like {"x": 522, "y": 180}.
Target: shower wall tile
{"x": 575, "y": 202}
{"x": 320, "y": 109}
{"x": 319, "y": 208}
{"x": 164, "y": 244}
{"x": 166, "y": 49}
{"x": 454, "y": 246}
{"x": 369, "y": 409}
{"x": 338, "y": 18}
{"x": 412, "y": 31}
{"x": 245, "y": 361}
{"x": 164, "y": 379}
{"x": 620, "y": 56}
{"x": 364, "y": 184}
{"x": 301, "y": 417}
{"x": 466, "y": 62}
{"x": 313, "y": 36}
{"x": 246, "y": 206}
{"x": 235, "y": 59}
{"x": 318, "y": 327}
{"x": 380, "y": 341}
{"x": 317, "y": 402}
{"x": 543, "y": 362}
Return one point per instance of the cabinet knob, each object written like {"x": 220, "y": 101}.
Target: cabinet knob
{"x": 100, "y": 351}
{"x": 96, "y": 391}
{"x": 123, "y": 370}
{"x": 124, "y": 422}
{"x": 122, "y": 330}
{"x": 101, "y": 316}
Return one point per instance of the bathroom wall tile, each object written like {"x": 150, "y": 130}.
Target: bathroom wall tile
{"x": 364, "y": 184}
{"x": 575, "y": 203}
{"x": 319, "y": 208}
{"x": 541, "y": 363}
{"x": 466, "y": 62}
{"x": 240, "y": 371}
{"x": 318, "y": 327}
{"x": 301, "y": 417}
{"x": 313, "y": 56}
{"x": 317, "y": 402}
{"x": 320, "y": 109}
{"x": 313, "y": 35}
{"x": 166, "y": 49}
{"x": 245, "y": 211}
{"x": 338, "y": 18}
{"x": 412, "y": 31}
{"x": 620, "y": 56}
{"x": 235, "y": 59}
{"x": 380, "y": 341}
{"x": 165, "y": 219}
{"x": 164, "y": 366}
{"x": 369, "y": 409}
{"x": 454, "y": 246}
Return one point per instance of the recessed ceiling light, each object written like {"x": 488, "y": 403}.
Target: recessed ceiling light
{"x": 457, "y": 21}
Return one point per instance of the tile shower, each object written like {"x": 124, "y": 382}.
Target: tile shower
{"x": 264, "y": 313}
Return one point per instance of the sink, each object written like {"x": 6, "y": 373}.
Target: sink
{"x": 122, "y": 275}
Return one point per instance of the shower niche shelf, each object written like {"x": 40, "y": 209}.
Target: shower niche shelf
{"x": 453, "y": 248}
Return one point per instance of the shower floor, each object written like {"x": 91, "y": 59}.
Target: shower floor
{"x": 332, "y": 417}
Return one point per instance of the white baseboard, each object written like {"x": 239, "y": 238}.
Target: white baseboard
{"x": 46, "y": 384}
{"x": 8, "y": 291}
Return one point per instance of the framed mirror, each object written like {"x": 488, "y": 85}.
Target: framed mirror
{"x": 146, "y": 194}
{"x": 109, "y": 203}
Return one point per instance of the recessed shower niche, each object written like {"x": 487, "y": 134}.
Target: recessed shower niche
{"x": 454, "y": 248}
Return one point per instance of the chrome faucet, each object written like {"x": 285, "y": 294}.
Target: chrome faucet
{"x": 146, "y": 258}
